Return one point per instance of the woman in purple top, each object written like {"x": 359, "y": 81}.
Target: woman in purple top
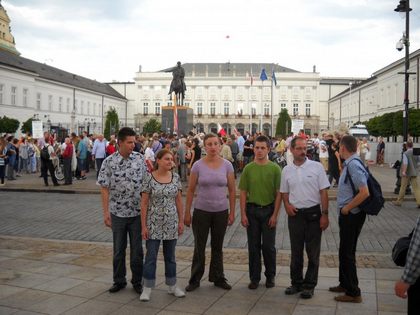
{"x": 213, "y": 174}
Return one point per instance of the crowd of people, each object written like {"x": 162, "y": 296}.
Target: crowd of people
{"x": 141, "y": 176}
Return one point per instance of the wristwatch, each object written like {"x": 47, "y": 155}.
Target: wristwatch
{"x": 324, "y": 211}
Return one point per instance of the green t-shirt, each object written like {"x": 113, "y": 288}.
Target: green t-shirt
{"x": 262, "y": 182}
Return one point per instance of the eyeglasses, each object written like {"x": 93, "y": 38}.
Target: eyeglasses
{"x": 300, "y": 149}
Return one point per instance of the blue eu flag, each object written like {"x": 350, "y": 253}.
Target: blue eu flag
{"x": 274, "y": 79}
{"x": 263, "y": 76}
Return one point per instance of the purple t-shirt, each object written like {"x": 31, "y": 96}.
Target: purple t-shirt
{"x": 212, "y": 185}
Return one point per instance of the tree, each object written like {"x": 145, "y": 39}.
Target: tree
{"x": 9, "y": 125}
{"x": 283, "y": 121}
{"x": 151, "y": 126}
{"x": 27, "y": 126}
{"x": 111, "y": 123}
{"x": 386, "y": 125}
{"x": 373, "y": 126}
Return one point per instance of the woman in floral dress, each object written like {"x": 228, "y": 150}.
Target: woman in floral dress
{"x": 161, "y": 220}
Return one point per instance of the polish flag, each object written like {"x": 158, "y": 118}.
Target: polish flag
{"x": 252, "y": 79}
{"x": 234, "y": 130}
{"x": 221, "y": 130}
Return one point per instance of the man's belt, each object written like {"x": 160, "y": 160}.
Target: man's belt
{"x": 317, "y": 207}
{"x": 271, "y": 205}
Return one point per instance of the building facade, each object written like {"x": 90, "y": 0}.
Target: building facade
{"x": 223, "y": 94}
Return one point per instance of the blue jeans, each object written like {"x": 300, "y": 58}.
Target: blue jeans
{"x": 23, "y": 163}
{"x": 261, "y": 238}
{"x": 149, "y": 272}
{"x": 120, "y": 228}
{"x": 350, "y": 228}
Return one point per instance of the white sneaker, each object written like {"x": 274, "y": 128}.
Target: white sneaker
{"x": 175, "y": 290}
{"x": 146, "y": 294}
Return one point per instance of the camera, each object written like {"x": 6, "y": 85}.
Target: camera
{"x": 399, "y": 46}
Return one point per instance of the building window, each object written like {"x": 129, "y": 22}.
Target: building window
{"x": 212, "y": 89}
{"x": 213, "y": 108}
{"x": 88, "y": 108}
{"x": 240, "y": 89}
{"x": 145, "y": 88}
{"x": 295, "y": 109}
{"x": 60, "y": 104}
{"x": 240, "y": 108}
{"x": 187, "y": 104}
{"x": 1, "y": 94}
{"x": 170, "y": 104}
{"x": 145, "y": 108}
{"x": 157, "y": 108}
{"x": 266, "y": 109}
{"x": 283, "y": 88}
{"x": 308, "y": 89}
{"x": 282, "y": 106}
{"x": 158, "y": 88}
{"x": 295, "y": 89}
{"x": 226, "y": 89}
{"x": 308, "y": 110}
{"x": 25, "y": 97}
{"x": 226, "y": 108}
{"x": 253, "y": 90}
{"x": 14, "y": 89}
{"x": 253, "y": 109}
{"x": 266, "y": 90}
{"x": 50, "y": 102}
{"x": 38, "y": 100}
{"x": 68, "y": 105}
{"x": 200, "y": 89}
{"x": 94, "y": 109}
{"x": 82, "y": 103}
{"x": 200, "y": 108}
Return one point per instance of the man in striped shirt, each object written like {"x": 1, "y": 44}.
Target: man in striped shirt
{"x": 410, "y": 280}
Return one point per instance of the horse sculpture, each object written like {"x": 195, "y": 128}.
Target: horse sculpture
{"x": 178, "y": 85}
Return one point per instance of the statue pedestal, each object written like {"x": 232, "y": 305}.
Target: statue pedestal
{"x": 185, "y": 119}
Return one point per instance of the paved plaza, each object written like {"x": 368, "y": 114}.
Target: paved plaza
{"x": 55, "y": 258}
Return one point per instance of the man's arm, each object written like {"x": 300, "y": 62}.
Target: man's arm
{"x": 273, "y": 220}
{"x": 105, "y": 203}
{"x": 290, "y": 209}
{"x": 242, "y": 202}
{"x": 324, "y": 222}
{"x": 357, "y": 200}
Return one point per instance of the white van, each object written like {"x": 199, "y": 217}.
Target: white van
{"x": 359, "y": 131}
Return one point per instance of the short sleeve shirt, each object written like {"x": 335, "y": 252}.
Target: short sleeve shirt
{"x": 124, "y": 177}
{"x": 162, "y": 216}
{"x": 303, "y": 183}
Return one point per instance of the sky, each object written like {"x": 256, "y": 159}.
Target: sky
{"x": 108, "y": 40}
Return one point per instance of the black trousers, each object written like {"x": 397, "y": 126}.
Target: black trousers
{"x": 98, "y": 166}
{"x": 305, "y": 233}
{"x": 204, "y": 222}
{"x": 413, "y": 298}
{"x": 350, "y": 228}
{"x": 68, "y": 179}
{"x": 45, "y": 167}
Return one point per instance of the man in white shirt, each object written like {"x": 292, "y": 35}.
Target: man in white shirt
{"x": 304, "y": 187}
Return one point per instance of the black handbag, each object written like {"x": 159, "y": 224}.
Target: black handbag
{"x": 400, "y": 250}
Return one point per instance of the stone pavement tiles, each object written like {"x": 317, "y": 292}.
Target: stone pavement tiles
{"x": 37, "y": 283}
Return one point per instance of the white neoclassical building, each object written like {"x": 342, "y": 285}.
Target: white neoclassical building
{"x": 382, "y": 93}
{"x": 58, "y": 98}
{"x": 223, "y": 94}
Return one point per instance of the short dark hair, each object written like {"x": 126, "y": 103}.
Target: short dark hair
{"x": 125, "y": 132}
{"x": 208, "y": 136}
{"x": 263, "y": 139}
{"x": 409, "y": 144}
{"x": 349, "y": 142}
{"x": 293, "y": 143}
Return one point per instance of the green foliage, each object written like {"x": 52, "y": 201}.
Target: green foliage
{"x": 373, "y": 126}
{"x": 9, "y": 125}
{"x": 151, "y": 126}
{"x": 112, "y": 125}
{"x": 414, "y": 122}
{"x": 27, "y": 126}
{"x": 281, "y": 124}
{"x": 386, "y": 125}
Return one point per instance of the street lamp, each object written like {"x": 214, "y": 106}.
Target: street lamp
{"x": 404, "y": 9}
{"x": 350, "y": 109}
{"x": 48, "y": 122}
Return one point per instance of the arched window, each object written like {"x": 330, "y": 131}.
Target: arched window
{"x": 227, "y": 128}
{"x": 240, "y": 127}
{"x": 200, "y": 127}
{"x": 213, "y": 128}
{"x": 267, "y": 129}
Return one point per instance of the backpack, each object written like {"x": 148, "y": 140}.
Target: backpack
{"x": 400, "y": 250}
{"x": 375, "y": 202}
{"x": 45, "y": 156}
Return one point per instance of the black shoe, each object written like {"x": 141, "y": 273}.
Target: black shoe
{"x": 116, "y": 287}
{"x": 83, "y": 177}
{"x": 253, "y": 285}
{"x": 138, "y": 288}
{"x": 57, "y": 184}
{"x": 269, "y": 283}
{"x": 222, "y": 283}
{"x": 307, "y": 293}
{"x": 293, "y": 289}
{"x": 192, "y": 286}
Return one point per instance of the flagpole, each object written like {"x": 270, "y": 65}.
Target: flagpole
{"x": 250, "y": 115}
{"x": 262, "y": 106}
{"x": 272, "y": 94}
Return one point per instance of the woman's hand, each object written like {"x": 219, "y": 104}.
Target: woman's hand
{"x": 180, "y": 228}
{"x": 187, "y": 219}
{"x": 231, "y": 219}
